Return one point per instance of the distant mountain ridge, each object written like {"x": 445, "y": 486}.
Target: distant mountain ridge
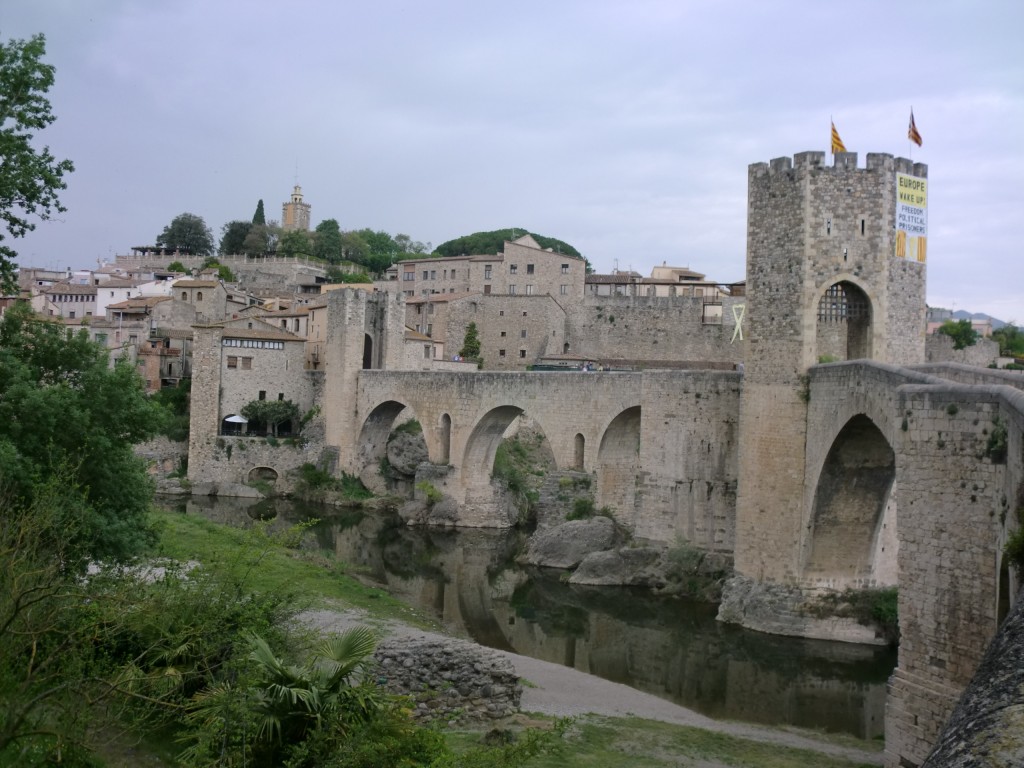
{"x": 962, "y": 314}
{"x": 940, "y": 315}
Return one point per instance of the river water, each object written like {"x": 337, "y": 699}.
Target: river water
{"x": 668, "y": 647}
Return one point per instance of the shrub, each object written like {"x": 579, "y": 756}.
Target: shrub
{"x": 581, "y": 509}
{"x": 412, "y": 427}
{"x": 430, "y": 491}
{"x": 995, "y": 449}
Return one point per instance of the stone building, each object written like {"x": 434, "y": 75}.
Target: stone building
{"x": 207, "y": 296}
{"x": 522, "y": 268}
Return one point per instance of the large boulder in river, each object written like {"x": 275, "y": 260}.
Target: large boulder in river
{"x": 406, "y": 451}
{"x": 629, "y": 566}
{"x": 564, "y": 546}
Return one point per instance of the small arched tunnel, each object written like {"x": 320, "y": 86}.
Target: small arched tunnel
{"x": 844, "y": 323}
{"x": 265, "y": 474}
{"x": 618, "y": 460}
{"x": 483, "y": 442}
{"x": 850, "y": 501}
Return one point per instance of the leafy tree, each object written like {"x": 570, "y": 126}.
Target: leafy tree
{"x": 471, "y": 343}
{"x": 187, "y": 233}
{"x": 1011, "y": 340}
{"x": 271, "y": 414}
{"x": 260, "y": 241}
{"x": 177, "y": 266}
{"x": 493, "y": 242}
{"x": 257, "y": 241}
{"x": 336, "y": 274}
{"x": 354, "y": 248}
{"x": 407, "y": 245}
{"x": 223, "y": 271}
{"x": 64, "y": 412}
{"x": 30, "y": 179}
{"x": 327, "y": 244}
{"x": 961, "y": 332}
{"x": 259, "y": 217}
{"x": 295, "y": 242}
{"x": 232, "y": 239}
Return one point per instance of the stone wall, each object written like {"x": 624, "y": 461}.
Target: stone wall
{"x": 651, "y": 328}
{"x": 449, "y": 680}
{"x": 938, "y": 348}
{"x": 988, "y": 722}
{"x": 262, "y": 275}
{"x": 958, "y": 507}
{"x": 514, "y": 330}
{"x": 689, "y": 456}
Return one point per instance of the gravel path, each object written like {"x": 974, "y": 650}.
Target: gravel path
{"x": 563, "y": 691}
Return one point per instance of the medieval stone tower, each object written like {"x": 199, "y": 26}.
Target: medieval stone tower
{"x": 827, "y": 279}
{"x": 295, "y": 213}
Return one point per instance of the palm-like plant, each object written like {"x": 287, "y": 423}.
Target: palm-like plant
{"x": 290, "y": 701}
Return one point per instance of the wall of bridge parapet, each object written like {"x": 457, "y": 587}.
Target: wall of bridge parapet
{"x": 970, "y": 374}
{"x": 960, "y": 499}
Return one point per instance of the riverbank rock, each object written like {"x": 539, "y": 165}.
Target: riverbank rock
{"x": 448, "y": 679}
{"x": 443, "y": 513}
{"x": 631, "y": 567}
{"x": 566, "y": 545}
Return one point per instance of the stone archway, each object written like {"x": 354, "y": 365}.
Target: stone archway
{"x": 263, "y": 474}
{"x": 852, "y": 526}
{"x": 618, "y": 461}
{"x": 844, "y": 326}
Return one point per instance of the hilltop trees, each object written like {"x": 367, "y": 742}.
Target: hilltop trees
{"x": 187, "y": 233}
{"x": 493, "y": 242}
{"x": 327, "y": 241}
{"x": 29, "y": 178}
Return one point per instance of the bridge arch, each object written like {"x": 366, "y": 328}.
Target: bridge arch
{"x": 618, "y": 461}
{"x": 851, "y": 538}
{"x": 482, "y": 443}
{"x": 844, "y": 327}
{"x": 376, "y": 428}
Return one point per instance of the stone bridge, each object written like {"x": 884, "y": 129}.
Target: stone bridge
{"x": 640, "y": 434}
{"x": 924, "y": 463}
{"x": 904, "y": 482}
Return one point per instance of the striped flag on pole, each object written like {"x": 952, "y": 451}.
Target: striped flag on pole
{"x": 912, "y": 133}
{"x": 837, "y": 143}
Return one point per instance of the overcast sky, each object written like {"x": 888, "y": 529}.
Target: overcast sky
{"x": 623, "y": 128}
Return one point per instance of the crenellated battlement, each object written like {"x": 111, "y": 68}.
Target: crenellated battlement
{"x": 842, "y": 162}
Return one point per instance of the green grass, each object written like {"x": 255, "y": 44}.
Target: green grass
{"x": 599, "y": 742}
{"x": 315, "y": 575}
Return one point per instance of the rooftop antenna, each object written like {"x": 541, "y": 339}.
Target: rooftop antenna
{"x": 296, "y": 172}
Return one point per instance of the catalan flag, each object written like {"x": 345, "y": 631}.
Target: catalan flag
{"x": 837, "y": 143}
{"x": 912, "y": 133}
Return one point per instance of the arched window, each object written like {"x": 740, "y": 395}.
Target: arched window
{"x": 199, "y": 295}
{"x": 184, "y": 295}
